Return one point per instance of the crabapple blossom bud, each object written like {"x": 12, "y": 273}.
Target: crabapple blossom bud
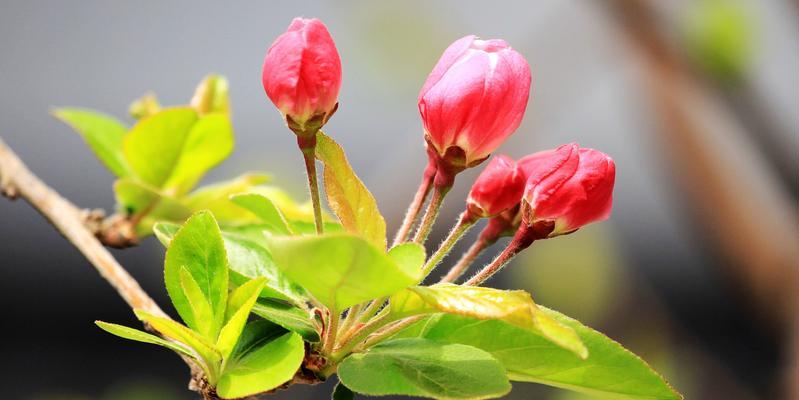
{"x": 498, "y": 188}
{"x": 302, "y": 75}
{"x": 567, "y": 188}
{"x": 472, "y": 101}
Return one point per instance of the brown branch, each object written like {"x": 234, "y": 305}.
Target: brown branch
{"x": 17, "y": 181}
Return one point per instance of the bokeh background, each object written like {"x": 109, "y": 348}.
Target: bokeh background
{"x": 695, "y": 100}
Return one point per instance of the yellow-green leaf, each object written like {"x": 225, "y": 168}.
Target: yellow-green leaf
{"x": 240, "y": 303}
{"x": 144, "y": 337}
{"x": 263, "y": 368}
{"x": 339, "y": 269}
{"x": 153, "y": 147}
{"x": 347, "y": 196}
{"x": 515, "y": 307}
{"x": 208, "y": 143}
{"x": 103, "y": 133}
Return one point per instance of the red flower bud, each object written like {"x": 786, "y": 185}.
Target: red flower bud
{"x": 302, "y": 73}
{"x": 473, "y": 100}
{"x": 568, "y": 186}
{"x": 498, "y": 188}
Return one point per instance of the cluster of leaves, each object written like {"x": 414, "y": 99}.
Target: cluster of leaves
{"x": 160, "y": 159}
{"x": 260, "y": 297}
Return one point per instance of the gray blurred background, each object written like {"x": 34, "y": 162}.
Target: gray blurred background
{"x": 695, "y": 100}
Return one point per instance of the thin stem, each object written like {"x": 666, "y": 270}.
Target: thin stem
{"x": 313, "y": 186}
{"x": 17, "y": 180}
{"x": 465, "y": 222}
{"x": 431, "y": 214}
{"x": 331, "y": 330}
{"x": 361, "y": 334}
{"x": 523, "y": 238}
{"x": 372, "y": 309}
{"x": 389, "y": 331}
{"x": 352, "y": 316}
{"x": 416, "y": 206}
{"x": 466, "y": 260}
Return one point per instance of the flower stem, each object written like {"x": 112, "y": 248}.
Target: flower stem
{"x": 431, "y": 213}
{"x": 330, "y": 332}
{"x": 416, "y": 206}
{"x": 389, "y": 331}
{"x": 465, "y": 222}
{"x": 308, "y": 148}
{"x": 466, "y": 260}
{"x": 352, "y": 316}
{"x": 361, "y": 334}
{"x": 524, "y": 237}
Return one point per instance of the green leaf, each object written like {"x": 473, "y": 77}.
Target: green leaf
{"x": 216, "y": 198}
{"x": 263, "y": 368}
{"x": 347, "y": 196}
{"x": 165, "y": 231}
{"x": 201, "y": 310}
{"x": 409, "y": 255}
{"x": 103, "y": 133}
{"x": 198, "y": 247}
{"x": 341, "y": 392}
{"x": 153, "y": 147}
{"x": 240, "y": 303}
{"x": 144, "y": 337}
{"x": 421, "y": 367}
{"x": 610, "y": 371}
{"x": 340, "y": 270}
{"x": 515, "y": 307}
{"x": 247, "y": 260}
{"x": 265, "y": 210}
{"x": 288, "y": 316}
{"x": 209, "y": 356}
{"x": 255, "y": 334}
{"x": 250, "y": 260}
{"x": 208, "y": 143}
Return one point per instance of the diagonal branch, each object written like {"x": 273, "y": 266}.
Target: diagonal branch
{"x": 16, "y": 180}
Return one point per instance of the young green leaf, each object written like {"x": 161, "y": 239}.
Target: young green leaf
{"x": 209, "y": 356}
{"x": 263, "y": 368}
{"x": 136, "y": 197}
{"x": 153, "y": 147}
{"x": 610, "y": 371}
{"x": 341, "y": 392}
{"x": 265, "y": 210}
{"x": 103, "y": 133}
{"x": 198, "y": 247}
{"x": 250, "y": 260}
{"x": 201, "y": 310}
{"x": 165, "y": 231}
{"x": 515, "y": 307}
{"x": 208, "y": 143}
{"x": 211, "y": 95}
{"x": 144, "y": 337}
{"x": 240, "y": 303}
{"x": 421, "y": 367}
{"x": 409, "y": 255}
{"x": 288, "y": 316}
{"x": 347, "y": 196}
{"x": 216, "y": 198}
{"x": 255, "y": 334}
{"x": 247, "y": 260}
{"x": 340, "y": 270}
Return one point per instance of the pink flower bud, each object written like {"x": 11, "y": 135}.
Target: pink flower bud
{"x": 568, "y": 187}
{"x": 474, "y": 99}
{"x": 302, "y": 73}
{"x": 498, "y": 188}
